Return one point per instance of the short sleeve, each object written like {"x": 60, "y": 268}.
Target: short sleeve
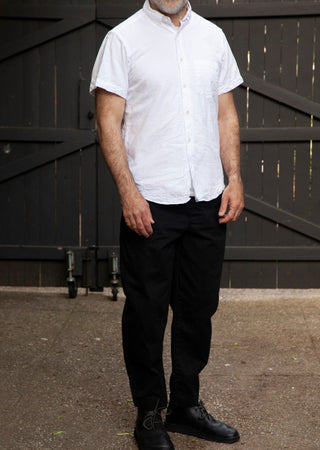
{"x": 110, "y": 70}
{"x": 229, "y": 76}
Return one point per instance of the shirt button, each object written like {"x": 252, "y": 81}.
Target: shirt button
{"x": 188, "y": 112}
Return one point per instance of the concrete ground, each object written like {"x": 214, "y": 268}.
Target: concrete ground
{"x": 64, "y": 385}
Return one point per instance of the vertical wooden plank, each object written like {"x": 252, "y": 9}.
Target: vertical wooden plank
{"x": 271, "y": 119}
{"x": 315, "y": 186}
{"x": 88, "y": 196}
{"x": 47, "y": 204}
{"x": 87, "y": 38}
{"x": 31, "y": 273}
{"x": 4, "y": 201}
{"x": 67, "y": 200}
{"x": 89, "y": 171}
{"x": 253, "y": 274}
{"x": 299, "y": 275}
{"x": 11, "y": 112}
{"x": 8, "y": 29}
{"x": 315, "y": 193}
{"x": 23, "y": 273}
{"x": 11, "y": 87}
{"x": 86, "y": 107}
{"x": 87, "y": 58}
{"x": 316, "y": 81}
{"x": 225, "y": 276}
{"x": 253, "y": 179}
{"x": 32, "y": 217}
{"x": 30, "y": 99}
{"x": 240, "y": 46}
{"x": 226, "y": 26}
{"x": 100, "y": 32}
{"x": 16, "y": 273}
{"x": 31, "y": 66}
{"x": 47, "y": 85}
{"x": 67, "y": 62}
{"x": 304, "y": 88}
{"x": 287, "y": 119}
{"x": 109, "y": 209}
{"x": 53, "y": 273}
{"x": 31, "y": 82}
{"x": 5, "y": 215}
{"x": 15, "y": 212}
{"x": 4, "y": 272}
{"x": 39, "y": 200}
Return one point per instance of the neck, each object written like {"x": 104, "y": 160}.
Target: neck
{"x": 175, "y": 18}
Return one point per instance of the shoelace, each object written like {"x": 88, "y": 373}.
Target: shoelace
{"x": 152, "y": 418}
{"x": 204, "y": 413}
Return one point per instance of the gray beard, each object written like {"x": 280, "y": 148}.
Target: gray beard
{"x": 165, "y": 7}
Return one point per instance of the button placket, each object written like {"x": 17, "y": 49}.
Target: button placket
{"x": 186, "y": 103}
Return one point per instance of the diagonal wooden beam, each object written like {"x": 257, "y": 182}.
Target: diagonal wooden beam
{"x": 282, "y": 217}
{"x": 41, "y": 36}
{"x": 281, "y": 94}
{"x": 42, "y": 157}
{"x": 110, "y": 23}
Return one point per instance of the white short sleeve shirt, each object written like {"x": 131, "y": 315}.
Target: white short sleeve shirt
{"x": 171, "y": 78}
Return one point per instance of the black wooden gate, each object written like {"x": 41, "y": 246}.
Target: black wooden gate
{"x": 55, "y": 190}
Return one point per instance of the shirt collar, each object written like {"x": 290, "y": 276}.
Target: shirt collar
{"x": 158, "y": 17}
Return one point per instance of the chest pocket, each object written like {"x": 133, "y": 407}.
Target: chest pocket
{"x": 205, "y": 78}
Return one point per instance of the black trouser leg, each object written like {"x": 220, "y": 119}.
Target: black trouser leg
{"x": 194, "y": 300}
{"x": 186, "y": 252}
{"x": 146, "y": 273}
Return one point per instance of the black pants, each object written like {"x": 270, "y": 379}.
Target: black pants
{"x": 178, "y": 265}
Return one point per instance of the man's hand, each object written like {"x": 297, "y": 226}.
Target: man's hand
{"x": 232, "y": 198}
{"x": 137, "y": 214}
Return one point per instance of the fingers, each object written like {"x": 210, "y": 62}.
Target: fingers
{"x": 232, "y": 215}
{"x": 224, "y": 205}
{"x": 234, "y": 200}
{"x": 141, "y": 224}
{"x": 139, "y": 219}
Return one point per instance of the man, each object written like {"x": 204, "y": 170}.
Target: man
{"x": 167, "y": 124}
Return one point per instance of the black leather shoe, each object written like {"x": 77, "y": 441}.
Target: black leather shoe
{"x": 196, "y": 421}
{"x": 150, "y": 432}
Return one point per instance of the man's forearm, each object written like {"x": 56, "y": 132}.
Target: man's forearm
{"x": 109, "y": 110}
{"x": 135, "y": 208}
{"x": 114, "y": 153}
{"x": 230, "y": 146}
{"x": 232, "y": 198}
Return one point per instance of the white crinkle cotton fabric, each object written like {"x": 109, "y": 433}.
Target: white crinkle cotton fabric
{"x": 171, "y": 78}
